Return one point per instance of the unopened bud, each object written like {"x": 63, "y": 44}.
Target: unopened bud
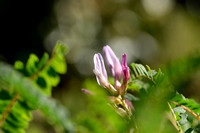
{"x": 125, "y": 69}
{"x": 100, "y": 71}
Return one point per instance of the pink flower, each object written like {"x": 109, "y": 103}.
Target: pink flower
{"x": 125, "y": 69}
{"x": 100, "y": 71}
{"x": 113, "y": 64}
{"x": 117, "y": 70}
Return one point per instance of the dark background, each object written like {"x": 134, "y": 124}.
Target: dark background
{"x": 24, "y": 25}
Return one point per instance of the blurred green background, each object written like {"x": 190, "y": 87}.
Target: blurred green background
{"x": 151, "y": 32}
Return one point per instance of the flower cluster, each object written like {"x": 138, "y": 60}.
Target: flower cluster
{"x": 118, "y": 71}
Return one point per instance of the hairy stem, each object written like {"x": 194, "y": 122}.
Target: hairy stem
{"x": 176, "y": 123}
{"x": 187, "y": 109}
{"x": 8, "y": 109}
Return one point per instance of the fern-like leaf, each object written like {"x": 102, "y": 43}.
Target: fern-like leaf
{"x": 44, "y": 71}
{"x": 43, "y": 75}
{"x": 32, "y": 94}
{"x": 17, "y": 115}
{"x": 187, "y": 110}
{"x": 139, "y": 71}
{"x": 194, "y": 107}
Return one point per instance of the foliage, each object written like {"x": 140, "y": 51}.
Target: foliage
{"x": 44, "y": 72}
{"x": 162, "y": 91}
{"x": 99, "y": 116}
{"x": 184, "y": 106}
{"x": 20, "y": 94}
{"x": 158, "y": 105}
{"x": 139, "y": 75}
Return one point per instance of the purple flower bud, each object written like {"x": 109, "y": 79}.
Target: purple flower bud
{"x": 113, "y": 64}
{"x": 100, "y": 71}
{"x": 112, "y": 61}
{"x": 125, "y": 69}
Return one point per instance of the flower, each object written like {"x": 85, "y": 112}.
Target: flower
{"x": 124, "y": 107}
{"x": 117, "y": 70}
{"x": 100, "y": 71}
{"x": 125, "y": 69}
{"x": 101, "y": 74}
{"x": 113, "y": 64}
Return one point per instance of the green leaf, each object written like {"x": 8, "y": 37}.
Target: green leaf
{"x": 142, "y": 78}
{"x": 139, "y": 71}
{"x": 137, "y": 85}
{"x": 43, "y": 61}
{"x": 44, "y": 71}
{"x": 31, "y": 65}
{"x": 189, "y": 103}
{"x": 190, "y": 130}
{"x": 187, "y": 120}
{"x": 18, "y": 117}
{"x": 32, "y": 94}
{"x": 19, "y": 65}
{"x": 181, "y": 115}
{"x": 58, "y": 60}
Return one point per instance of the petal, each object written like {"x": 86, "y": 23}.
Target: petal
{"x": 124, "y": 64}
{"x": 103, "y": 69}
{"x": 125, "y": 69}
{"x": 99, "y": 70}
{"x": 99, "y": 65}
{"x": 112, "y": 61}
{"x": 97, "y": 73}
